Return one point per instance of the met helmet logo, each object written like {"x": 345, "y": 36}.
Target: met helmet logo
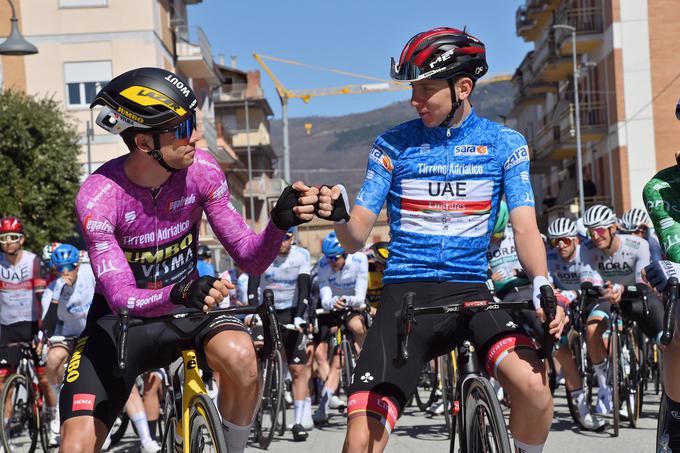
{"x": 147, "y": 96}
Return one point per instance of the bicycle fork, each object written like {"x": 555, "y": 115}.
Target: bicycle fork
{"x": 193, "y": 385}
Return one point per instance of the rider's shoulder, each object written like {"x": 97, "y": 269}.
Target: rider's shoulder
{"x": 102, "y": 185}
{"x": 509, "y": 137}
{"x": 301, "y": 251}
{"x": 205, "y": 162}
{"x": 400, "y": 136}
{"x": 358, "y": 258}
{"x": 665, "y": 179}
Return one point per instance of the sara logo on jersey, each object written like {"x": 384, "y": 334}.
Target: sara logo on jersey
{"x": 517, "y": 157}
{"x": 470, "y": 150}
{"x": 381, "y": 158}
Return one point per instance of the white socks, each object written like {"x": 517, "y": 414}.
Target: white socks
{"x": 307, "y": 411}
{"x": 298, "y": 411}
{"x": 521, "y": 447}
{"x": 601, "y": 373}
{"x": 236, "y": 436}
{"x": 142, "y": 427}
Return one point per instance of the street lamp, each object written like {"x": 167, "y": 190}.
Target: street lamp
{"x": 15, "y": 44}
{"x": 579, "y": 157}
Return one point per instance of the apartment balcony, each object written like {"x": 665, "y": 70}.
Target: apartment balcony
{"x": 570, "y": 208}
{"x": 532, "y": 17}
{"x": 589, "y": 24}
{"x": 264, "y": 187}
{"x": 238, "y": 92}
{"x": 241, "y": 138}
{"x": 550, "y": 65}
{"x": 195, "y": 60}
{"x": 526, "y": 27}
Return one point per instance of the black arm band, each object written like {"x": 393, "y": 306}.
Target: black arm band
{"x": 253, "y": 285}
{"x": 50, "y": 320}
{"x": 303, "y": 286}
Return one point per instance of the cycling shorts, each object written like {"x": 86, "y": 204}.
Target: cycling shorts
{"x": 526, "y": 318}
{"x": 22, "y": 331}
{"x": 93, "y": 384}
{"x": 294, "y": 342}
{"x": 329, "y": 322}
{"x": 632, "y": 309}
{"x": 433, "y": 335}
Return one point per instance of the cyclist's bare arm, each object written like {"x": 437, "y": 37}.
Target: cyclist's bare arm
{"x": 530, "y": 248}
{"x": 354, "y": 233}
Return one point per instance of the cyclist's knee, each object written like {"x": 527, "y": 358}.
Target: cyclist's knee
{"x": 356, "y": 325}
{"x": 81, "y": 435}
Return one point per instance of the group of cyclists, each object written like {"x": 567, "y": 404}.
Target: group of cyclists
{"x": 463, "y": 228}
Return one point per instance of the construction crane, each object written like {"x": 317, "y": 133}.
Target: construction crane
{"x": 306, "y": 95}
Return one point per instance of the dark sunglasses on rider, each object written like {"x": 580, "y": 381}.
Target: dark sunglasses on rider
{"x": 66, "y": 268}
{"x": 184, "y": 129}
{"x": 10, "y": 238}
{"x": 334, "y": 258}
{"x": 599, "y": 231}
{"x": 561, "y": 242}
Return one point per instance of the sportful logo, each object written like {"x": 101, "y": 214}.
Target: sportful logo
{"x": 130, "y": 216}
{"x": 666, "y": 223}
{"x": 101, "y": 246}
{"x": 517, "y": 157}
{"x": 97, "y": 197}
{"x": 470, "y": 150}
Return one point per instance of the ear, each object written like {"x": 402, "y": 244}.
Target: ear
{"x": 144, "y": 142}
{"x": 463, "y": 87}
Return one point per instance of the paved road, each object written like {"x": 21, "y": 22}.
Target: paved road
{"x": 418, "y": 433}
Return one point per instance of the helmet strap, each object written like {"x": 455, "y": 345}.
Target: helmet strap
{"x": 158, "y": 157}
{"x": 455, "y": 104}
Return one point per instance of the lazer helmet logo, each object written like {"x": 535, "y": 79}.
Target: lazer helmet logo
{"x": 147, "y": 96}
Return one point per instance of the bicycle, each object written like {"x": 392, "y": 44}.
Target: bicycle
{"x": 478, "y": 416}
{"x": 190, "y": 413}
{"x": 25, "y": 417}
{"x": 671, "y": 295}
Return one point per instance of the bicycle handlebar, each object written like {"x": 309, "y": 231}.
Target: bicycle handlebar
{"x": 671, "y": 296}
{"x": 347, "y": 308}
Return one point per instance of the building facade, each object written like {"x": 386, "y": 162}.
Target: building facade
{"x": 628, "y": 86}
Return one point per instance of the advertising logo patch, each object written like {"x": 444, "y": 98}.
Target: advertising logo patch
{"x": 517, "y": 157}
{"x": 471, "y": 150}
{"x": 381, "y": 158}
{"x": 83, "y": 402}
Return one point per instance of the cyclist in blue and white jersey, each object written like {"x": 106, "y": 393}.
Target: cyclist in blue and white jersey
{"x": 443, "y": 176}
{"x": 288, "y": 277}
{"x": 343, "y": 282}
{"x": 613, "y": 263}
{"x": 564, "y": 266}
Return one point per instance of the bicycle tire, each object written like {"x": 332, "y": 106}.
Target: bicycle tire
{"x": 580, "y": 358}
{"x": 483, "y": 418}
{"x": 26, "y": 422}
{"x": 632, "y": 384}
{"x": 271, "y": 404}
{"x": 615, "y": 377}
{"x": 347, "y": 365}
{"x": 205, "y": 426}
{"x": 661, "y": 425}
{"x": 427, "y": 381}
{"x": 447, "y": 389}
{"x": 119, "y": 427}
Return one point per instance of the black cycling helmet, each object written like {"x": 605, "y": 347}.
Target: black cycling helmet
{"x": 441, "y": 53}
{"x": 204, "y": 251}
{"x": 147, "y": 100}
{"x": 380, "y": 252}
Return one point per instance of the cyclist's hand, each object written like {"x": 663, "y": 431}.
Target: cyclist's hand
{"x": 296, "y": 205}
{"x": 334, "y": 203}
{"x": 339, "y": 304}
{"x": 300, "y": 324}
{"x": 658, "y": 273}
{"x": 497, "y": 276}
{"x": 69, "y": 280}
{"x": 204, "y": 293}
{"x": 612, "y": 292}
{"x": 38, "y": 342}
{"x": 557, "y": 325}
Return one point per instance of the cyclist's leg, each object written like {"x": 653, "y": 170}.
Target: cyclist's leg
{"x": 356, "y": 324}
{"x": 9, "y": 357}
{"x": 510, "y": 356}
{"x": 381, "y": 387}
{"x": 332, "y": 380}
{"x": 671, "y": 371}
{"x": 230, "y": 353}
{"x": 596, "y": 326}
{"x": 151, "y": 399}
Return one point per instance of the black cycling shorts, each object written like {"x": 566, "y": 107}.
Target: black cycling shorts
{"x": 632, "y": 308}
{"x": 526, "y": 318}
{"x": 23, "y": 331}
{"x": 93, "y": 385}
{"x": 433, "y": 335}
{"x": 294, "y": 343}
{"x": 326, "y": 324}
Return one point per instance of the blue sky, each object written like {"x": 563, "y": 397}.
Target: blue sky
{"x": 349, "y": 35}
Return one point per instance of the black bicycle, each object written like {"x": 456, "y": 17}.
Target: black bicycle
{"x": 671, "y": 295}
{"x": 189, "y": 412}
{"x": 478, "y": 415}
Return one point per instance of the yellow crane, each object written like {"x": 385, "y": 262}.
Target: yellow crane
{"x": 285, "y": 94}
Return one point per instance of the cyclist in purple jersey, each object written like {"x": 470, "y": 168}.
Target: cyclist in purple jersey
{"x": 140, "y": 215}
{"x": 442, "y": 177}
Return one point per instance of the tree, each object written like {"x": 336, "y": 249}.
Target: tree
{"x": 39, "y": 168}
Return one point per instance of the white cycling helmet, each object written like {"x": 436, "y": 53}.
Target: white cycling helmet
{"x": 562, "y": 227}
{"x": 633, "y": 218}
{"x": 599, "y": 216}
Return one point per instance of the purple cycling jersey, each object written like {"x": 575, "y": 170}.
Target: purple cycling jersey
{"x": 141, "y": 243}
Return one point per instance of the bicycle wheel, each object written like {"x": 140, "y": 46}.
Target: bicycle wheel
{"x": 205, "y": 426}
{"x": 614, "y": 369}
{"x": 119, "y": 427}
{"x": 578, "y": 351}
{"x": 631, "y": 381}
{"x": 20, "y": 430}
{"x": 272, "y": 401}
{"x": 168, "y": 422}
{"x": 662, "y": 437}
{"x": 427, "y": 383}
{"x": 447, "y": 387}
{"x": 485, "y": 429}
{"x": 347, "y": 365}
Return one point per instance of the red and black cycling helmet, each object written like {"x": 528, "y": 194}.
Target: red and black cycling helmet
{"x": 11, "y": 225}
{"x": 149, "y": 100}
{"x": 441, "y": 53}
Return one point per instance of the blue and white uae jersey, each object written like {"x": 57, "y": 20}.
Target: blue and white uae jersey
{"x": 565, "y": 275}
{"x": 623, "y": 267}
{"x": 74, "y": 302}
{"x": 443, "y": 187}
{"x": 281, "y": 277}
{"x": 350, "y": 282}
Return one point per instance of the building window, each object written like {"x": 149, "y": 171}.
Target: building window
{"x": 83, "y": 81}
{"x": 83, "y": 3}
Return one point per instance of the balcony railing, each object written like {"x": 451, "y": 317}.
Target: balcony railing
{"x": 238, "y": 92}
{"x": 585, "y": 20}
{"x": 241, "y": 138}
{"x": 264, "y": 186}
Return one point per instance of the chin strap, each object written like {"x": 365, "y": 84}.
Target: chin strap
{"x": 158, "y": 157}
{"x": 455, "y": 104}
